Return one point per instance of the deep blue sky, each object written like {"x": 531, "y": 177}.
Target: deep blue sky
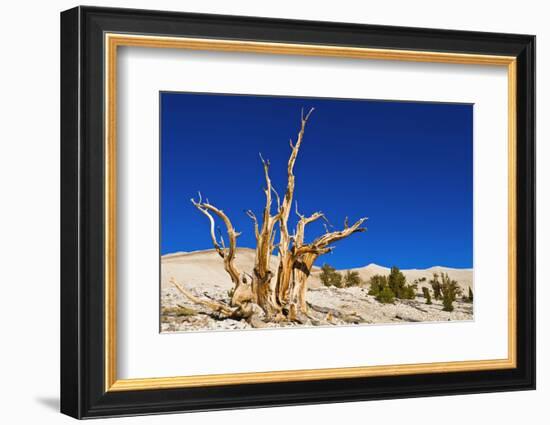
{"x": 407, "y": 166}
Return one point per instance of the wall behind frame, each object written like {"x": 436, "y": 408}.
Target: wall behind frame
{"x": 29, "y": 217}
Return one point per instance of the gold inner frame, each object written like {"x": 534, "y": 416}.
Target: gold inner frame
{"x": 113, "y": 41}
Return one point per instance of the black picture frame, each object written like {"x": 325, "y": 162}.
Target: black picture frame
{"x": 83, "y": 392}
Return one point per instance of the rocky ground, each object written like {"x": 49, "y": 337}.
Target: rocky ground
{"x": 202, "y": 273}
{"x": 328, "y": 306}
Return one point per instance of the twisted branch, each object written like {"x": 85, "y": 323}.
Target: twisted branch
{"x": 228, "y": 254}
{"x": 211, "y": 304}
{"x": 321, "y": 244}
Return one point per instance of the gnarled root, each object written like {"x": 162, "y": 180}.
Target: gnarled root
{"x": 256, "y": 322}
{"x": 215, "y": 306}
{"x": 247, "y": 310}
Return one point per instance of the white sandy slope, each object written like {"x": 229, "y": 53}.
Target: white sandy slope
{"x": 464, "y": 277}
{"x": 202, "y": 273}
{"x": 200, "y": 268}
{"x": 203, "y": 268}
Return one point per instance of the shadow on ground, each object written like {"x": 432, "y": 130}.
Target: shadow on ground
{"x": 49, "y": 402}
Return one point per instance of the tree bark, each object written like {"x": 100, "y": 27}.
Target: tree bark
{"x": 307, "y": 254}
{"x": 286, "y": 260}
{"x": 281, "y": 295}
{"x": 242, "y": 292}
{"x": 263, "y": 287}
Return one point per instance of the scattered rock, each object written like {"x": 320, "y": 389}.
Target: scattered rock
{"x": 328, "y": 307}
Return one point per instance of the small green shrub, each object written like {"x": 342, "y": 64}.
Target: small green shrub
{"x": 386, "y": 296}
{"x": 468, "y": 298}
{"x": 330, "y": 277}
{"x": 396, "y": 281}
{"x": 408, "y": 292}
{"x": 398, "y": 285}
{"x": 337, "y": 280}
{"x": 450, "y": 290}
{"x": 393, "y": 286}
{"x": 436, "y": 286}
{"x": 427, "y": 296}
{"x": 352, "y": 278}
{"x": 377, "y": 284}
{"x": 447, "y": 303}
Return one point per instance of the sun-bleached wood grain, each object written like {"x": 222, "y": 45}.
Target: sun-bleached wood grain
{"x": 263, "y": 294}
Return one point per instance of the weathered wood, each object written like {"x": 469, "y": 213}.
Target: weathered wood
{"x": 286, "y": 258}
{"x": 211, "y": 304}
{"x": 228, "y": 254}
{"x": 282, "y": 294}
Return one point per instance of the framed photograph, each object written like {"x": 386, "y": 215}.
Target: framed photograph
{"x": 261, "y": 212}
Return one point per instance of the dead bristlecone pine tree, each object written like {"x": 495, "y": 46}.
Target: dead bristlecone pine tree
{"x": 264, "y": 295}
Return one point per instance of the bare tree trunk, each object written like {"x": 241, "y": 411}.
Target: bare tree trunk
{"x": 262, "y": 282}
{"x": 285, "y": 255}
{"x": 306, "y": 254}
{"x": 297, "y": 298}
{"x": 242, "y": 293}
{"x": 283, "y": 298}
{"x": 227, "y": 254}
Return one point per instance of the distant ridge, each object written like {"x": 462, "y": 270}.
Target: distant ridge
{"x": 464, "y": 277}
{"x": 174, "y": 254}
{"x": 370, "y": 266}
{"x": 202, "y": 266}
